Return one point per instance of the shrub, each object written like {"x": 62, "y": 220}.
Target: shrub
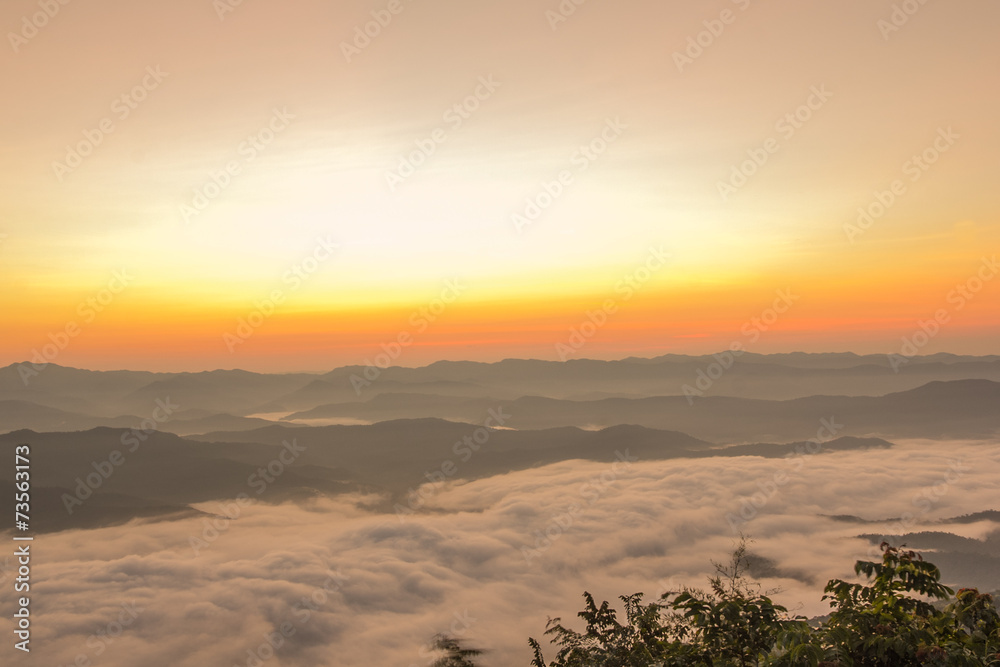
{"x": 888, "y": 621}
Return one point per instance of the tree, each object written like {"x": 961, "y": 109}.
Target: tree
{"x": 734, "y": 623}
{"x": 890, "y": 620}
{"x": 881, "y": 623}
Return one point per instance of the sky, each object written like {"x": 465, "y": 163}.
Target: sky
{"x": 196, "y": 184}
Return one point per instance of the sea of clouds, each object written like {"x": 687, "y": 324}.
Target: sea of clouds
{"x": 488, "y": 561}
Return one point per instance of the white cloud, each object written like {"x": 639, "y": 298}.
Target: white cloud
{"x": 460, "y": 563}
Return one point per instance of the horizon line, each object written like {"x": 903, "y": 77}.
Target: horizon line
{"x": 923, "y": 357}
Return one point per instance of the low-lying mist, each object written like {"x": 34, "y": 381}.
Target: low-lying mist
{"x": 333, "y": 581}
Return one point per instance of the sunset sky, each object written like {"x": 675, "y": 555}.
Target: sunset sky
{"x": 117, "y": 199}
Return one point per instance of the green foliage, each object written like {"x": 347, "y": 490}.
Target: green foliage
{"x": 732, "y": 624}
{"x": 606, "y": 641}
{"x": 878, "y": 623}
{"x": 888, "y": 621}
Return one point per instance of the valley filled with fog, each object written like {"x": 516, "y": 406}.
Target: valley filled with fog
{"x": 184, "y": 518}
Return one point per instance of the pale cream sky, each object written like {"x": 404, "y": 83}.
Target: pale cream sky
{"x": 680, "y": 132}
